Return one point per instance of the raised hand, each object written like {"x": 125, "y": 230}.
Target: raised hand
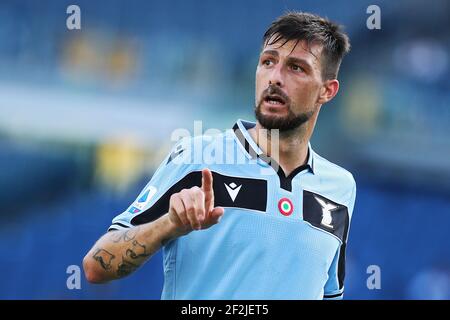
{"x": 193, "y": 209}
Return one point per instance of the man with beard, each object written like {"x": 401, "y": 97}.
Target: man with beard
{"x": 274, "y": 226}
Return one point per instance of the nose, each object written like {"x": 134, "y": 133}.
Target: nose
{"x": 276, "y": 76}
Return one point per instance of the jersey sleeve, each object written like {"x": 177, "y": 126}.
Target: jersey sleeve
{"x": 175, "y": 173}
{"x": 334, "y": 287}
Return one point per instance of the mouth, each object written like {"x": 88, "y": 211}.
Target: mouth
{"x": 275, "y": 100}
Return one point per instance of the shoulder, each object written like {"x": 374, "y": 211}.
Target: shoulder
{"x": 336, "y": 181}
{"x": 202, "y": 140}
{"x": 197, "y": 150}
{"x": 334, "y": 172}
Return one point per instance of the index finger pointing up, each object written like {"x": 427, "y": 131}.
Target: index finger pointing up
{"x": 207, "y": 181}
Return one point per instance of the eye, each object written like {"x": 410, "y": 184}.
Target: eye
{"x": 267, "y": 62}
{"x": 297, "y": 68}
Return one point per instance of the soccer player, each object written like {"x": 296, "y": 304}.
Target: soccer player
{"x": 274, "y": 226}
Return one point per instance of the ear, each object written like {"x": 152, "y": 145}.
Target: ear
{"x": 329, "y": 89}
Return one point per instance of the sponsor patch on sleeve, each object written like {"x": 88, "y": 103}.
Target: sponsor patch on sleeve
{"x": 143, "y": 200}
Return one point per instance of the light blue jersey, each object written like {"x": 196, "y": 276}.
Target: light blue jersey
{"x": 279, "y": 238}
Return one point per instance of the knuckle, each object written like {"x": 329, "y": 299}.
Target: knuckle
{"x": 190, "y": 194}
{"x": 190, "y": 209}
{"x": 197, "y": 191}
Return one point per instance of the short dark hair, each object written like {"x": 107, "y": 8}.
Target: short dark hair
{"x": 313, "y": 29}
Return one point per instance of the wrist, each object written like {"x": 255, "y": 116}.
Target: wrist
{"x": 171, "y": 229}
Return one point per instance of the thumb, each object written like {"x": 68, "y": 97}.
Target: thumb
{"x": 217, "y": 213}
{"x": 214, "y": 216}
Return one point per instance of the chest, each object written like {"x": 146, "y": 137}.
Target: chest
{"x": 306, "y": 201}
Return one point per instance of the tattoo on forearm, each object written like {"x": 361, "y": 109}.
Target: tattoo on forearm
{"x": 125, "y": 268}
{"x": 126, "y": 236}
{"x": 117, "y": 236}
{"x": 130, "y": 234}
{"x": 137, "y": 251}
{"x": 130, "y": 260}
{"x": 104, "y": 258}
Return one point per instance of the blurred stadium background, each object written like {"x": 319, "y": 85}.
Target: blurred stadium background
{"x": 85, "y": 115}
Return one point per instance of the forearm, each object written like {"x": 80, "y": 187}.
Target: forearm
{"x": 119, "y": 253}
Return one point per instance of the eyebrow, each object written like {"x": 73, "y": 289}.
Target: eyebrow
{"x": 272, "y": 52}
{"x": 303, "y": 62}
{"x": 289, "y": 59}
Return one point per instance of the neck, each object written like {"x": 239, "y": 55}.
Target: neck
{"x": 288, "y": 149}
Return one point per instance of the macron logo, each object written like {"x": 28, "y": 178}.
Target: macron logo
{"x": 233, "y": 190}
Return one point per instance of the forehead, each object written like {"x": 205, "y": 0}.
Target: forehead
{"x": 300, "y": 49}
